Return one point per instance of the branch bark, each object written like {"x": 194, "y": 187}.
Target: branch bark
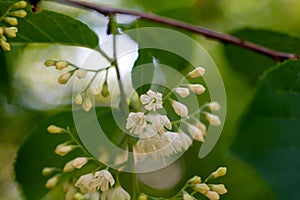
{"x": 225, "y": 38}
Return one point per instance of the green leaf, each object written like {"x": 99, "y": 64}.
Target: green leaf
{"x": 251, "y": 64}
{"x": 268, "y": 137}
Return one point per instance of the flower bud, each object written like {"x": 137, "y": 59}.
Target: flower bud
{"x": 11, "y": 20}
{"x": 61, "y": 64}
{"x": 105, "y": 91}
{"x": 180, "y": 109}
{"x": 195, "y": 133}
{"x": 51, "y": 183}
{"x": 49, "y": 63}
{"x": 212, "y": 195}
{"x": 69, "y": 166}
{"x": 18, "y": 13}
{"x": 55, "y": 129}
{"x": 202, "y": 188}
{"x": 11, "y": 32}
{"x": 5, "y": 46}
{"x": 219, "y": 188}
{"x": 201, "y": 126}
{"x": 94, "y": 90}
{"x": 79, "y": 162}
{"x": 48, "y": 170}
{"x": 87, "y": 104}
{"x": 142, "y": 197}
{"x": 197, "y": 88}
{"x": 213, "y": 119}
{"x": 63, "y": 149}
{"x": 195, "y": 180}
{"x": 1, "y": 31}
{"x": 20, "y": 4}
{"x": 213, "y": 106}
{"x": 183, "y": 92}
{"x": 221, "y": 171}
{"x": 187, "y": 196}
{"x": 78, "y": 99}
{"x": 198, "y": 72}
{"x": 79, "y": 196}
{"x": 63, "y": 79}
{"x": 80, "y": 73}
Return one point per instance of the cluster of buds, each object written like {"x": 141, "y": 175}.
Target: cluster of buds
{"x": 9, "y": 21}
{"x": 85, "y": 97}
{"x": 211, "y": 191}
{"x": 93, "y": 185}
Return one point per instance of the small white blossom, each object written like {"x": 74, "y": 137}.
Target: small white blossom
{"x": 84, "y": 183}
{"x": 55, "y": 129}
{"x": 152, "y": 100}
{"x": 149, "y": 144}
{"x": 94, "y": 89}
{"x": 212, "y": 195}
{"x": 11, "y": 32}
{"x": 51, "y": 183}
{"x": 187, "y": 196}
{"x": 117, "y": 193}
{"x": 197, "y": 88}
{"x": 63, "y": 149}
{"x": 159, "y": 122}
{"x": 136, "y": 122}
{"x": 195, "y": 133}
{"x": 180, "y": 109}
{"x": 87, "y": 104}
{"x": 102, "y": 180}
{"x": 213, "y": 119}
{"x": 198, "y": 72}
{"x": 79, "y": 162}
{"x": 183, "y": 92}
{"x": 201, "y": 126}
{"x": 219, "y": 188}
{"x": 80, "y": 73}
{"x": 78, "y": 99}
{"x": 213, "y": 106}
{"x": 64, "y": 78}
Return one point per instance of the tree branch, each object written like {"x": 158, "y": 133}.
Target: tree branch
{"x": 225, "y": 38}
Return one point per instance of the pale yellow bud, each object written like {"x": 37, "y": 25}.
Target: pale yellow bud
{"x": 63, "y": 149}
{"x": 212, "y": 195}
{"x": 105, "y": 91}
{"x": 79, "y": 196}
{"x": 5, "y": 46}
{"x": 180, "y": 109}
{"x": 63, "y": 79}
{"x": 55, "y": 129}
{"x": 48, "y": 170}
{"x": 195, "y": 180}
{"x": 213, "y": 106}
{"x": 197, "y": 88}
{"x": 18, "y": 13}
{"x": 80, "y": 73}
{"x": 20, "y": 4}
{"x": 78, "y": 99}
{"x": 142, "y": 197}
{"x": 11, "y": 20}
{"x": 61, "y": 64}
{"x": 94, "y": 89}
{"x": 183, "y": 92}
{"x": 201, "y": 126}
{"x": 202, "y": 188}
{"x": 51, "y": 183}
{"x": 1, "y": 31}
{"x": 219, "y": 188}
{"x": 11, "y": 32}
{"x": 213, "y": 119}
{"x": 87, "y": 104}
{"x": 198, "y": 72}
{"x": 69, "y": 166}
{"x": 187, "y": 196}
{"x": 79, "y": 162}
{"x": 49, "y": 63}
{"x": 221, "y": 171}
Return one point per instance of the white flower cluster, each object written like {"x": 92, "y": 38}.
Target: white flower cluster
{"x": 83, "y": 98}
{"x": 9, "y": 21}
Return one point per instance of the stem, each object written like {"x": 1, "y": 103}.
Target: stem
{"x": 225, "y": 38}
{"x": 123, "y": 105}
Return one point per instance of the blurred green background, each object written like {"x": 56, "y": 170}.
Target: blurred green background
{"x": 21, "y": 114}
